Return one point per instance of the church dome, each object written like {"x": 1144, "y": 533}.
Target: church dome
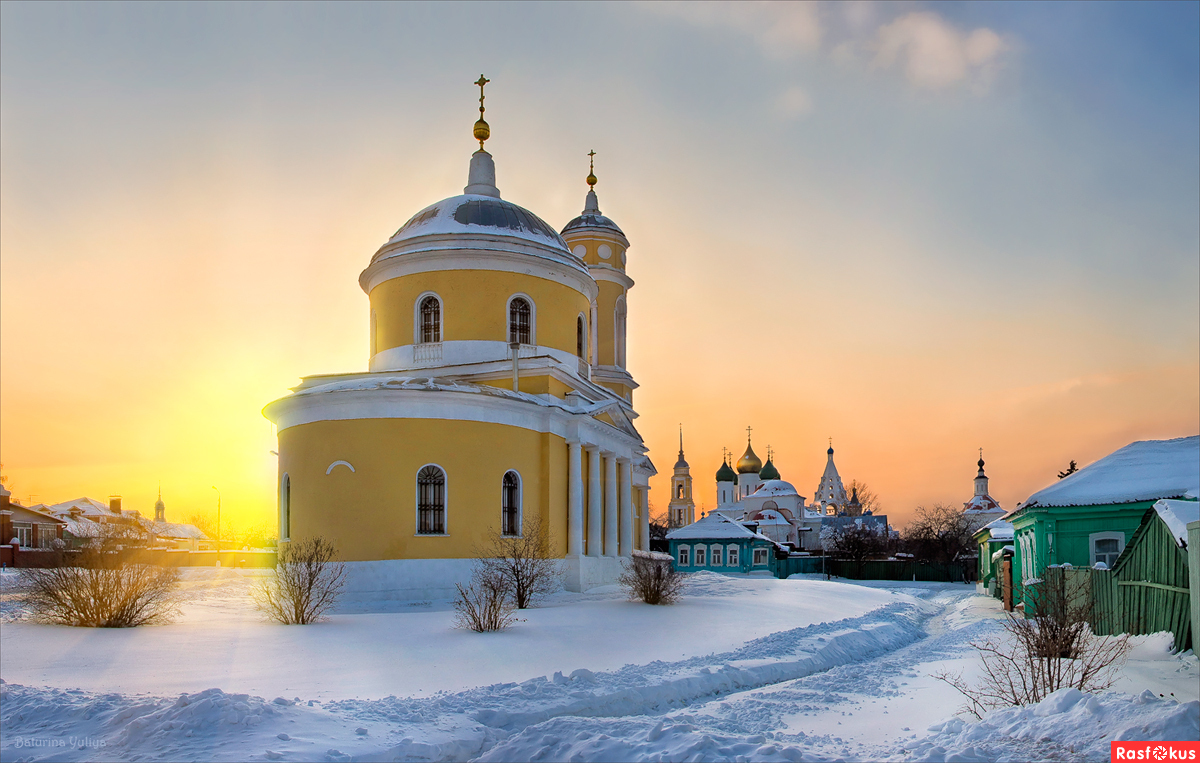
{"x": 725, "y": 474}
{"x": 749, "y": 463}
{"x": 768, "y": 472}
{"x": 476, "y": 213}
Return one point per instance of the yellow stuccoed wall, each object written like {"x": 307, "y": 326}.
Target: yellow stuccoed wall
{"x": 474, "y": 307}
{"x": 370, "y": 513}
{"x": 606, "y": 306}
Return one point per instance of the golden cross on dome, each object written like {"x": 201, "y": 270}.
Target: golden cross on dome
{"x": 482, "y": 131}
{"x": 591, "y": 178}
{"x": 747, "y": 435}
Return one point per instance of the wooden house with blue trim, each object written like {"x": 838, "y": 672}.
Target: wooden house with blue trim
{"x": 718, "y": 544}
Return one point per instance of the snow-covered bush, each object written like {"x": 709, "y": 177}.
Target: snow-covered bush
{"x": 523, "y": 562}
{"x": 651, "y": 577}
{"x": 1053, "y": 649}
{"x": 484, "y": 604}
{"x": 102, "y": 586}
{"x": 308, "y": 580}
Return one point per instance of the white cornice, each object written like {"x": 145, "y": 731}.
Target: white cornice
{"x": 477, "y": 252}
{"x": 594, "y": 233}
{"x": 604, "y": 272}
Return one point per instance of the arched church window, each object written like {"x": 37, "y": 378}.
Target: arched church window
{"x": 679, "y": 490}
{"x": 579, "y": 343}
{"x": 519, "y": 321}
{"x": 431, "y": 320}
{"x": 510, "y": 505}
{"x": 285, "y": 507}
{"x": 431, "y": 501}
{"x": 619, "y": 327}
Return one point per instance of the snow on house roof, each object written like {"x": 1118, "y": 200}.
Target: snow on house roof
{"x": 177, "y": 530}
{"x": 999, "y": 529}
{"x": 1141, "y": 471}
{"x": 89, "y": 506}
{"x": 713, "y": 525}
{"x": 775, "y": 488}
{"x": 1176, "y": 515}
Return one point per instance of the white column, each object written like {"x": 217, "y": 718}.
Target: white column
{"x": 595, "y": 528}
{"x": 645, "y": 518}
{"x": 626, "y": 507}
{"x": 574, "y": 499}
{"x": 610, "y": 504}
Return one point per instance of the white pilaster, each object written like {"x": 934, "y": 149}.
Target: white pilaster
{"x": 645, "y": 518}
{"x": 610, "y": 504}
{"x": 595, "y": 513}
{"x": 574, "y": 498}
{"x": 626, "y": 548}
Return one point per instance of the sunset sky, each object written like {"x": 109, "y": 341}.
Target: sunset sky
{"x": 919, "y": 229}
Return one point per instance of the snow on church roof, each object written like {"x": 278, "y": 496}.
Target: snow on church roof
{"x": 1176, "y": 515}
{"x": 775, "y": 488}
{"x": 1142, "y": 471}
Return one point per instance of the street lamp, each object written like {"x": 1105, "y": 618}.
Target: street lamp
{"x": 214, "y": 487}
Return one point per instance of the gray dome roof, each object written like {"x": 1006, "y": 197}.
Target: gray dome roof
{"x": 592, "y": 221}
{"x": 472, "y": 213}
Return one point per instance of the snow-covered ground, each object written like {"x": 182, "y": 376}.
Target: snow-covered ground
{"x": 749, "y": 669}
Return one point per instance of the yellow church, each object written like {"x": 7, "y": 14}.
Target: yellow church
{"x": 496, "y": 392}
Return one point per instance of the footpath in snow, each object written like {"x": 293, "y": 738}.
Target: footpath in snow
{"x": 829, "y": 688}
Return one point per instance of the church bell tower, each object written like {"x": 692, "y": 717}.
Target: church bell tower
{"x": 682, "y": 509}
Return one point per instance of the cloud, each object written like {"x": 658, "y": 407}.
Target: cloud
{"x": 935, "y": 55}
{"x": 782, "y": 30}
{"x": 793, "y": 102}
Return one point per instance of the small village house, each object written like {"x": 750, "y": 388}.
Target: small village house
{"x": 1087, "y": 518}
{"x": 718, "y": 544}
{"x": 995, "y": 542}
{"x": 29, "y": 527}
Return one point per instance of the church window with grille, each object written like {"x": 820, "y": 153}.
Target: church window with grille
{"x": 510, "y": 505}
{"x": 431, "y": 320}
{"x": 431, "y": 501}
{"x": 579, "y": 344}
{"x": 519, "y": 321}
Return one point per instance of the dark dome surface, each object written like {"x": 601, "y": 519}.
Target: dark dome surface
{"x": 592, "y": 221}
{"x": 479, "y": 214}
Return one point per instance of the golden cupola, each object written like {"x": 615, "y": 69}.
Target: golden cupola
{"x": 749, "y": 463}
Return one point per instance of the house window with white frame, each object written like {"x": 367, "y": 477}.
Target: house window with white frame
{"x": 716, "y": 556}
{"x": 700, "y": 556}
{"x": 731, "y": 556}
{"x": 760, "y": 556}
{"x": 1106, "y": 548}
{"x": 684, "y": 555}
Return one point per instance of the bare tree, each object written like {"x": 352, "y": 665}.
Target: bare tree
{"x": 853, "y": 542}
{"x": 651, "y": 577}
{"x": 484, "y": 605}
{"x": 104, "y": 585}
{"x": 866, "y": 496}
{"x": 1053, "y": 649}
{"x": 308, "y": 580}
{"x": 939, "y": 533}
{"x": 659, "y": 524}
{"x": 523, "y": 562}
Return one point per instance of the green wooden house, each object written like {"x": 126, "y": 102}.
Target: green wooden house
{"x": 718, "y": 544}
{"x": 1148, "y": 590}
{"x": 1087, "y": 518}
{"x": 992, "y": 539}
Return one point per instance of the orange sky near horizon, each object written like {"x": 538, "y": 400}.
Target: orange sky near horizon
{"x": 170, "y": 267}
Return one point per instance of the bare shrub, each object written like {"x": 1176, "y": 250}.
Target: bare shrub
{"x": 854, "y": 543}
{"x": 523, "y": 563}
{"x": 102, "y": 586}
{"x": 484, "y": 605}
{"x": 1054, "y": 649}
{"x": 651, "y": 577}
{"x": 308, "y": 580}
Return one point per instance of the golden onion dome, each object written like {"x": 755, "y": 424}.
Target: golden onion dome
{"x": 749, "y": 463}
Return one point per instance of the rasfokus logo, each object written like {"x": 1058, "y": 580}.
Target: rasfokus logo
{"x": 1154, "y": 752}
